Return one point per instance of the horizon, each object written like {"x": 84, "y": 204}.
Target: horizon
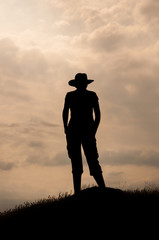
{"x": 43, "y": 45}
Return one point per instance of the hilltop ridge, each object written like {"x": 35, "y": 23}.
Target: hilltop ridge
{"x": 92, "y": 211}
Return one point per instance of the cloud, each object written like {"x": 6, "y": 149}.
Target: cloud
{"x": 113, "y": 38}
{"x": 11, "y": 87}
{"x": 32, "y": 142}
{"x": 39, "y": 122}
{"x": 61, "y": 159}
{"x": 149, "y": 9}
{"x": 115, "y": 174}
{"x": 131, "y": 157}
{"x": 6, "y": 166}
{"x": 44, "y": 159}
{"x": 116, "y": 178}
{"x": 36, "y": 144}
{"x": 108, "y": 38}
{"x": 29, "y": 79}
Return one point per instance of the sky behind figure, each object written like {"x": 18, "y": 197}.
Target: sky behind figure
{"x": 43, "y": 44}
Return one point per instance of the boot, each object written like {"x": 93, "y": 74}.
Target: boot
{"x": 99, "y": 180}
{"x": 77, "y": 182}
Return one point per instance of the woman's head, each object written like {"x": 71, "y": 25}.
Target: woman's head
{"x": 80, "y": 82}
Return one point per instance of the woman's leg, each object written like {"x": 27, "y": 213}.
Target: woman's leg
{"x": 77, "y": 182}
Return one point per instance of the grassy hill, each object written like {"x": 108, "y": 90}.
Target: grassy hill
{"x": 93, "y": 212}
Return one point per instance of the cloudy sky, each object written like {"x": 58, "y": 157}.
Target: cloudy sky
{"x": 43, "y": 44}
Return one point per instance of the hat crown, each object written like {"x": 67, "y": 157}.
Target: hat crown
{"x": 81, "y": 77}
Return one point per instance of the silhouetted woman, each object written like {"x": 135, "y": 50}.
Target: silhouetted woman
{"x": 80, "y": 129}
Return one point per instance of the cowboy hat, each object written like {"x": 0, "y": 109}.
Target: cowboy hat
{"x": 79, "y": 79}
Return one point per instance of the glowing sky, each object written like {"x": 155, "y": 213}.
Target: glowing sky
{"x": 43, "y": 44}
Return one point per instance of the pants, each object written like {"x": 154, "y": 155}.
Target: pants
{"x": 88, "y": 142}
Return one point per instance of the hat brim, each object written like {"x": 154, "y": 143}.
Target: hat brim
{"x": 74, "y": 83}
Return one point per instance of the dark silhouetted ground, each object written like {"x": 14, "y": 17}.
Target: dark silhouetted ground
{"x": 102, "y": 214}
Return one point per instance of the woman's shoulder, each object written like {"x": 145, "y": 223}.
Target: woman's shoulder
{"x": 92, "y": 94}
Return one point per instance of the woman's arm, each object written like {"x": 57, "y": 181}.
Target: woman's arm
{"x": 65, "y": 114}
{"x": 97, "y": 116}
